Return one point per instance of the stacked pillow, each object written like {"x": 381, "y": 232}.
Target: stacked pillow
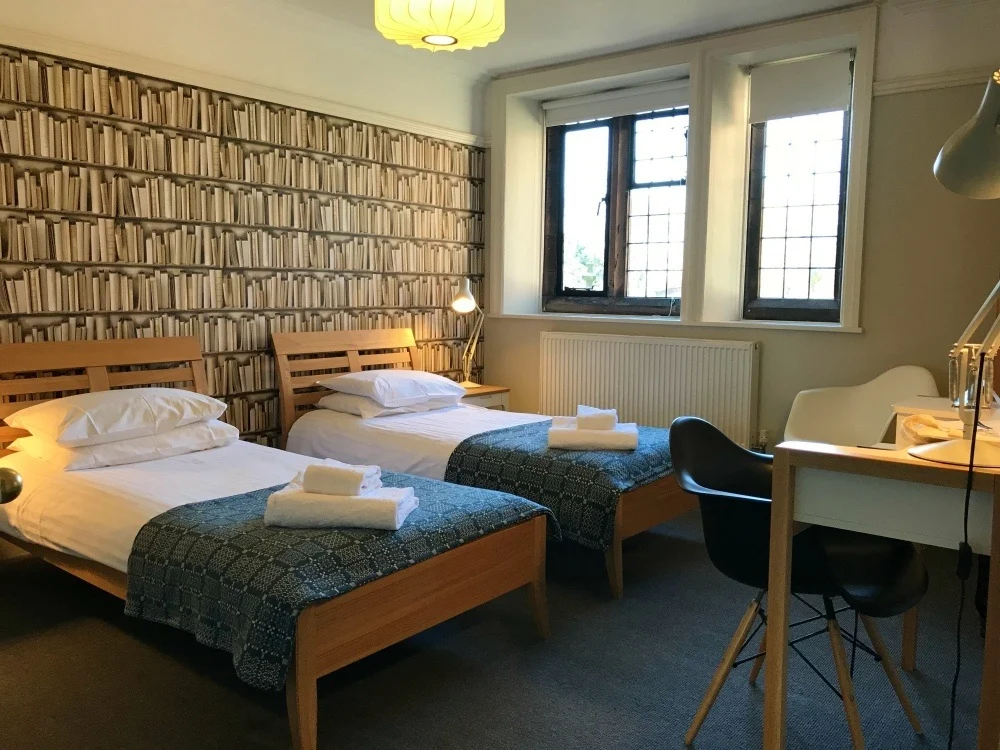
{"x": 380, "y": 393}
{"x": 110, "y": 428}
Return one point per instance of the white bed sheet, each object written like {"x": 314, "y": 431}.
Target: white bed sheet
{"x": 418, "y": 444}
{"x": 97, "y": 513}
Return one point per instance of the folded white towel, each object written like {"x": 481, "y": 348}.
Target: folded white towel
{"x": 385, "y": 508}
{"x": 335, "y": 478}
{"x": 564, "y": 434}
{"x": 590, "y": 418}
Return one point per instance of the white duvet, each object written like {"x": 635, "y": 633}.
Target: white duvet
{"x": 418, "y": 444}
{"x": 97, "y": 513}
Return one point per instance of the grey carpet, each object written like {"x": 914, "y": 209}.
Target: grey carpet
{"x": 76, "y": 673}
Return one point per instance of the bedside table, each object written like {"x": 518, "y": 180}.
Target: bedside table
{"x": 489, "y": 396}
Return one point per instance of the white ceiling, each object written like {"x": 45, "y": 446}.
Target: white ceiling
{"x": 541, "y": 32}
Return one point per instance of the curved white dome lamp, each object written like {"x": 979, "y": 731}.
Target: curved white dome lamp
{"x": 464, "y": 303}
{"x": 969, "y": 164}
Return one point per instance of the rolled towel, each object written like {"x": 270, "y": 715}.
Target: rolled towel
{"x": 385, "y": 508}
{"x": 590, "y": 418}
{"x": 564, "y": 434}
{"x": 336, "y": 478}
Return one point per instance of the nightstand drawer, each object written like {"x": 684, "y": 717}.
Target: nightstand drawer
{"x": 488, "y": 400}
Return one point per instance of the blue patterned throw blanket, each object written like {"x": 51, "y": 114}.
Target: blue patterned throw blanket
{"x": 580, "y": 487}
{"x": 215, "y": 570}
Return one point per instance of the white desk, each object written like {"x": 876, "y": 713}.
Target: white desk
{"x": 891, "y": 494}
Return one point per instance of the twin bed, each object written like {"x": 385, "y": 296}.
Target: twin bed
{"x": 294, "y": 605}
{"x": 599, "y": 498}
{"x": 89, "y": 523}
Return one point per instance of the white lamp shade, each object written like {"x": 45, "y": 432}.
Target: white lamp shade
{"x": 441, "y": 24}
{"x": 464, "y": 301}
{"x": 969, "y": 161}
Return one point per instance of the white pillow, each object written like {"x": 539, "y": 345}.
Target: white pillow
{"x": 367, "y": 408}
{"x": 187, "y": 439}
{"x": 106, "y": 416}
{"x": 392, "y": 388}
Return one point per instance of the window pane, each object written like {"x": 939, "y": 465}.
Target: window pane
{"x": 674, "y": 284}
{"x": 772, "y": 253}
{"x": 772, "y": 283}
{"x": 637, "y": 255}
{"x": 659, "y": 228}
{"x": 800, "y": 205}
{"x": 585, "y": 189}
{"x": 638, "y": 228}
{"x": 796, "y": 283}
{"x": 636, "y": 285}
{"x": 661, "y": 148}
{"x": 821, "y": 283}
{"x": 797, "y": 252}
{"x": 655, "y": 257}
{"x": 824, "y": 252}
{"x": 656, "y": 284}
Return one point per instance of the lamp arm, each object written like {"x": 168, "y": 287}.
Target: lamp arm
{"x": 992, "y": 339}
{"x": 977, "y": 321}
{"x": 469, "y": 352}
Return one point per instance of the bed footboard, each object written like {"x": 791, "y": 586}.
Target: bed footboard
{"x": 341, "y": 631}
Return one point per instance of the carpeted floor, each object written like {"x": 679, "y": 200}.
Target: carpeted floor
{"x": 76, "y": 673}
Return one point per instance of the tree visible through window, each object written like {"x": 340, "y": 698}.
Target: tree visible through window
{"x": 615, "y": 210}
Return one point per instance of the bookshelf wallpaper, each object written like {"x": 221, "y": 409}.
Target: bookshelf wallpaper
{"x": 134, "y": 207}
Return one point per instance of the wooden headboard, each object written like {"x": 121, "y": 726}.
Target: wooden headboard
{"x": 304, "y": 358}
{"x": 33, "y": 373}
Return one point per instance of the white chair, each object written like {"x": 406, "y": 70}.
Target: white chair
{"x": 857, "y": 414}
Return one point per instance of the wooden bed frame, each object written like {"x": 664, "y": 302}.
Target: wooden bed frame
{"x": 329, "y": 635}
{"x": 302, "y": 358}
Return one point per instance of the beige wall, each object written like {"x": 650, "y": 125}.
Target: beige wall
{"x": 930, "y": 258}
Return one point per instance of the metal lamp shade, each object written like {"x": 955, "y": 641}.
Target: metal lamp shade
{"x": 11, "y": 485}
{"x": 465, "y": 300}
{"x": 969, "y": 162}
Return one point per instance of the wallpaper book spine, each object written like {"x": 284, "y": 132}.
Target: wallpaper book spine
{"x": 136, "y": 207}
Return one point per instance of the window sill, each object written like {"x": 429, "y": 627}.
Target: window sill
{"x": 665, "y": 321}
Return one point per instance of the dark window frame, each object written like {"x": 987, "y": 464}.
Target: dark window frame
{"x": 789, "y": 310}
{"x": 621, "y": 179}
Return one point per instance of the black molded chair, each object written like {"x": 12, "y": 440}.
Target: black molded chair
{"x": 876, "y": 577}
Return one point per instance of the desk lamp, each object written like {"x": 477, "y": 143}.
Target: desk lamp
{"x": 463, "y": 303}
{"x": 969, "y": 165}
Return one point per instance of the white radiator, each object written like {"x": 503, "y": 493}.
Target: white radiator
{"x": 652, "y": 380}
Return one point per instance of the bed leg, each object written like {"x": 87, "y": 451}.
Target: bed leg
{"x": 300, "y": 693}
{"x": 613, "y": 558}
{"x": 613, "y": 561}
{"x": 537, "y": 593}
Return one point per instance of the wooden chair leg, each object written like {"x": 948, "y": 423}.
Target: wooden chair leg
{"x": 301, "y": 697}
{"x": 846, "y": 684}
{"x": 910, "y": 620}
{"x": 758, "y": 663}
{"x": 725, "y": 667}
{"x": 890, "y": 671}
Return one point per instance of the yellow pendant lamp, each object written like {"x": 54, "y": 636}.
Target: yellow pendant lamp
{"x": 440, "y": 24}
